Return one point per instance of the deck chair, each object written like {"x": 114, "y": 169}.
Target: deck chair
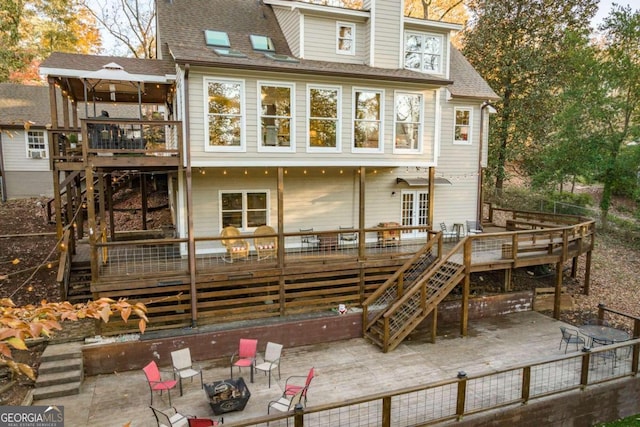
{"x": 155, "y": 382}
{"x": 245, "y": 356}
{"x": 474, "y": 227}
{"x": 237, "y": 248}
{"x": 265, "y": 242}
{"x": 604, "y": 355}
{"x": 205, "y": 422}
{"x": 285, "y": 404}
{"x": 570, "y": 336}
{"x": 271, "y": 360}
{"x": 169, "y": 417}
{"x": 447, "y": 235}
{"x": 290, "y": 388}
{"x": 348, "y": 237}
{"x": 183, "y": 366}
{"x": 309, "y": 241}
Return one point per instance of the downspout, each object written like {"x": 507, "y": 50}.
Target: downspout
{"x": 3, "y": 177}
{"x": 190, "y": 236}
{"x": 485, "y": 104}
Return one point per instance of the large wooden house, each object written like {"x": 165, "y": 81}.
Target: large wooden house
{"x": 312, "y": 153}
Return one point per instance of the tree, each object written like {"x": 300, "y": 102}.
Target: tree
{"x": 516, "y": 46}
{"x": 17, "y": 324}
{"x": 437, "y": 10}
{"x": 130, "y": 22}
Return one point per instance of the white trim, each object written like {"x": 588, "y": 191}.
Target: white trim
{"x": 339, "y": 119}
{"x": 243, "y": 132}
{"x": 301, "y": 40}
{"x": 427, "y": 24}
{"x": 443, "y": 56}
{"x": 292, "y": 118}
{"x": 380, "y": 148}
{"x": 469, "y": 140}
{"x": 337, "y": 161}
{"x": 244, "y": 227}
{"x": 35, "y": 153}
{"x": 80, "y": 74}
{"x": 351, "y": 25}
{"x": 420, "y": 141}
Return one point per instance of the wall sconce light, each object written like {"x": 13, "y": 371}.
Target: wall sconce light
{"x": 393, "y": 194}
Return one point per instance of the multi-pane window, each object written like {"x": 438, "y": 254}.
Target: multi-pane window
{"x": 244, "y": 209}
{"x": 462, "y": 126}
{"x": 408, "y": 120}
{"x": 346, "y": 38}
{"x": 224, "y": 114}
{"x": 367, "y": 126}
{"x": 324, "y": 117}
{"x": 275, "y": 114}
{"x": 36, "y": 144}
{"x": 423, "y": 52}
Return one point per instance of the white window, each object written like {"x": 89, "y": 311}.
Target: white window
{"x": 462, "y": 126}
{"x": 367, "y": 123}
{"x": 408, "y": 121}
{"x": 36, "y": 144}
{"x": 345, "y": 38}
{"x": 244, "y": 209}
{"x": 225, "y": 115}
{"x": 324, "y": 118}
{"x": 276, "y": 120}
{"x": 423, "y": 52}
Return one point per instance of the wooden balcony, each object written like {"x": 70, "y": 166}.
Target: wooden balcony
{"x": 118, "y": 144}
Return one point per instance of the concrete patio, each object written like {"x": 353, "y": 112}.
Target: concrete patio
{"x": 345, "y": 369}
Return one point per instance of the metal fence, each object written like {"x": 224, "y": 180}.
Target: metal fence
{"x": 470, "y": 394}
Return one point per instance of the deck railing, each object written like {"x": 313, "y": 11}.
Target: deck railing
{"x": 466, "y": 395}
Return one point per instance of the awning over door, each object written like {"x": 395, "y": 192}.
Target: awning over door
{"x": 422, "y": 182}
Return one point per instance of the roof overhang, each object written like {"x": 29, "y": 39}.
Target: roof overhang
{"x": 422, "y": 182}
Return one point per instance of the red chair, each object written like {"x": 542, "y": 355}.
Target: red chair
{"x": 292, "y": 389}
{"x": 245, "y": 356}
{"x": 204, "y": 422}
{"x": 155, "y": 382}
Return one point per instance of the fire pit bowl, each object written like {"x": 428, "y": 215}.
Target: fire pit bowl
{"x": 227, "y": 395}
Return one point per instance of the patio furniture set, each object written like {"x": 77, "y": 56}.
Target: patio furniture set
{"x": 229, "y": 394}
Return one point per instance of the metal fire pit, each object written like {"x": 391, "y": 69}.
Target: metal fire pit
{"x": 227, "y": 395}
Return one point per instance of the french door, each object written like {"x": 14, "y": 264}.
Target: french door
{"x": 415, "y": 211}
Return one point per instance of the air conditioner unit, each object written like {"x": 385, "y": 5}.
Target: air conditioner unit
{"x": 35, "y": 154}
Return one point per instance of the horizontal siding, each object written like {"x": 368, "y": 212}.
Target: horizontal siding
{"x": 301, "y": 157}
{"x": 28, "y": 184}
{"x": 320, "y": 40}
{"x": 289, "y": 21}
{"x": 388, "y": 14}
{"x": 14, "y": 153}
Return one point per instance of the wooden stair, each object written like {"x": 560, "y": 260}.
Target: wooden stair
{"x": 79, "y": 289}
{"x": 60, "y": 372}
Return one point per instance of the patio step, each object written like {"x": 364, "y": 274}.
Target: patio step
{"x": 60, "y": 372}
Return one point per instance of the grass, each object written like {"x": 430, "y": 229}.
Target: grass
{"x": 632, "y": 421}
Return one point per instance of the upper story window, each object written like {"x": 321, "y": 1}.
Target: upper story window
{"x": 345, "y": 38}
{"x": 225, "y": 112}
{"x": 262, "y": 43}
{"x": 36, "y": 144}
{"x": 276, "y": 106}
{"x": 408, "y": 121}
{"x": 244, "y": 209}
{"x": 367, "y": 124}
{"x": 462, "y": 126}
{"x": 324, "y": 118}
{"x": 216, "y": 38}
{"x": 423, "y": 52}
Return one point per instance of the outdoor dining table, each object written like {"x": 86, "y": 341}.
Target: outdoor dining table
{"x": 604, "y": 333}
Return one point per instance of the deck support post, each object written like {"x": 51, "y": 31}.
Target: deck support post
{"x": 53, "y": 108}
{"x": 145, "y": 201}
{"x": 434, "y": 324}
{"x": 361, "y": 214}
{"x": 102, "y": 204}
{"x": 558, "y": 293}
{"x": 587, "y": 274}
{"x": 464, "y": 306}
{"x": 112, "y": 222}
{"x": 508, "y": 274}
{"x": 574, "y": 267}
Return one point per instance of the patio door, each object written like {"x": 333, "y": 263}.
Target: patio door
{"x": 415, "y": 211}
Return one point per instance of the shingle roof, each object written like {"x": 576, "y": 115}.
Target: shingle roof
{"x": 182, "y": 24}
{"x": 20, "y": 104}
{"x": 466, "y": 80}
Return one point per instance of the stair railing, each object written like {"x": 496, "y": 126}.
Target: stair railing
{"x": 404, "y": 278}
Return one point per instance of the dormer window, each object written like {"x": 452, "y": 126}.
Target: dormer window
{"x": 345, "y": 38}
{"x": 423, "y": 52}
{"x": 263, "y": 43}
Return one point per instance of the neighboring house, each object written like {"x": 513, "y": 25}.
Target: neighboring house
{"x": 24, "y": 147}
{"x": 323, "y": 91}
